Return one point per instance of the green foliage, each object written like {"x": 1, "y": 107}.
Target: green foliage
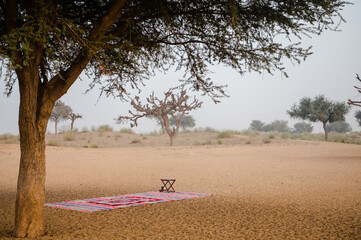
{"x": 358, "y": 117}
{"x": 271, "y": 136}
{"x": 145, "y": 35}
{"x": 339, "y": 126}
{"x": 319, "y": 109}
{"x": 187, "y": 121}
{"x": 256, "y": 125}
{"x": 276, "y": 126}
{"x": 303, "y": 127}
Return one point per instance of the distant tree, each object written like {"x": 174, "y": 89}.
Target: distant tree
{"x": 59, "y": 113}
{"x": 173, "y": 105}
{"x": 277, "y": 126}
{"x": 358, "y": 117}
{"x": 356, "y": 103}
{"x": 72, "y": 117}
{"x": 256, "y": 125}
{"x": 319, "y": 109}
{"x": 303, "y": 127}
{"x": 187, "y": 121}
{"x": 339, "y": 126}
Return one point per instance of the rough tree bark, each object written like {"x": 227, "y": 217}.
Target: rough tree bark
{"x": 33, "y": 120}
{"x": 325, "y": 128}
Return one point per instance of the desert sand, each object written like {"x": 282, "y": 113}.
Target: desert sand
{"x": 282, "y": 190}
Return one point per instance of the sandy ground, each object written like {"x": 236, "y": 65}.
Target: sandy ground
{"x": 289, "y": 190}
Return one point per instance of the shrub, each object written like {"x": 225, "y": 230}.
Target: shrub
{"x": 271, "y": 136}
{"x": 85, "y": 146}
{"x": 135, "y": 141}
{"x": 53, "y": 143}
{"x": 225, "y": 134}
{"x": 219, "y": 142}
{"x": 6, "y": 137}
{"x": 93, "y": 146}
{"x": 266, "y": 140}
{"x": 69, "y": 136}
{"x": 127, "y": 130}
{"x": 105, "y": 128}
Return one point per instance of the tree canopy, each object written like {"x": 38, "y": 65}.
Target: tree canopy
{"x": 303, "y": 127}
{"x": 60, "y": 113}
{"x": 256, "y": 125}
{"x": 319, "y": 109}
{"x": 187, "y": 121}
{"x": 339, "y": 126}
{"x": 126, "y": 40}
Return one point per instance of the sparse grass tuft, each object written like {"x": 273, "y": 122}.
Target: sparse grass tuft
{"x": 105, "y": 128}
{"x": 219, "y": 141}
{"x": 53, "y": 143}
{"x": 6, "y": 137}
{"x": 85, "y": 146}
{"x": 117, "y": 137}
{"x": 84, "y": 129}
{"x": 225, "y": 134}
{"x": 69, "y": 136}
{"x": 266, "y": 140}
{"x": 127, "y": 130}
{"x": 93, "y": 146}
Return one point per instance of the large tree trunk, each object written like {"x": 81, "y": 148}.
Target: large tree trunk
{"x": 72, "y": 125}
{"x": 325, "y": 129}
{"x": 33, "y": 119}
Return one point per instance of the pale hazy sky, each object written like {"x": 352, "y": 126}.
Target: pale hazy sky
{"x": 331, "y": 71}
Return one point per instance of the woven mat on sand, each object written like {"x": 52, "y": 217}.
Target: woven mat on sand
{"x": 122, "y": 201}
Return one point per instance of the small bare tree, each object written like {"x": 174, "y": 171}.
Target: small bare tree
{"x": 163, "y": 109}
{"x": 356, "y": 103}
{"x": 72, "y": 117}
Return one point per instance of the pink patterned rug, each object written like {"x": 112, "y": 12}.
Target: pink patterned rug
{"x": 122, "y": 201}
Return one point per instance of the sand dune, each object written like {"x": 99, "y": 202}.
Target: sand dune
{"x": 288, "y": 190}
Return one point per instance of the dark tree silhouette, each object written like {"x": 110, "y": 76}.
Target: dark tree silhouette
{"x": 356, "y": 103}
{"x": 358, "y": 117}
{"x": 72, "y": 117}
{"x": 172, "y": 105}
{"x": 46, "y": 45}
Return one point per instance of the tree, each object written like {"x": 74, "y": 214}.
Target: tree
{"x": 187, "y": 121}
{"x": 303, "y": 127}
{"x": 72, "y": 117}
{"x": 339, "y": 126}
{"x": 256, "y": 125}
{"x": 277, "y": 126}
{"x": 319, "y": 109}
{"x": 173, "y": 105}
{"x": 356, "y": 103}
{"x": 358, "y": 117}
{"x": 59, "y": 113}
{"x": 46, "y": 45}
